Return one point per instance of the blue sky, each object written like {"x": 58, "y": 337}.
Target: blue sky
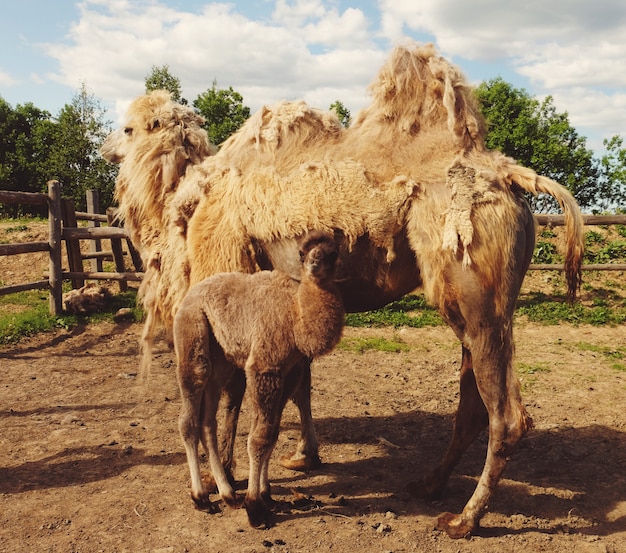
{"x": 316, "y": 50}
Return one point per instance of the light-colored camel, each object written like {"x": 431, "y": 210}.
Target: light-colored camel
{"x": 263, "y": 324}
{"x": 417, "y": 200}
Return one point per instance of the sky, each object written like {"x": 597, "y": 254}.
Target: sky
{"x": 316, "y": 50}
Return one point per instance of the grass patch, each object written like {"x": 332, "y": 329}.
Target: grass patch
{"x": 539, "y": 308}
{"x": 610, "y": 353}
{"x": 411, "y": 310}
{"x": 361, "y": 345}
{"x": 27, "y": 313}
{"x": 533, "y": 368}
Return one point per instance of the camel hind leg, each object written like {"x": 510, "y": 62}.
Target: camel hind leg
{"x": 499, "y": 389}
{"x": 471, "y": 418}
{"x": 198, "y": 374}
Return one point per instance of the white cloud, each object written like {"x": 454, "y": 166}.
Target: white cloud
{"x": 313, "y": 50}
{"x": 570, "y": 49}
{"x": 115, "y": 44}
{"x": 6, "y": 79}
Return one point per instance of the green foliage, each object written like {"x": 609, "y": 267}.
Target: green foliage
{"x": 361, "y": 345}
{"x": 534, "y": 368}
{"x": 160, "y": 78}
{"x": 612, "y": 179}
{"x": 538, "y": 137}
{"x": 343, "y": 113}
{"x": 411, "y": 311}
{"x": 609, "y": 352}
{"x": 545, "y": 252}
{"x": 592, "y": 237}
{"x": 223, "y": 111}
{"x": 75, "y": 160}
{"x": 547, "y": 232}
{"x": 614, "y": 251}
{"x": 26, "y": 137}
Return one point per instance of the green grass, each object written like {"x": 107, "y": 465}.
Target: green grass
{"x": 534, "y": 368}
{"x": 411, "y": 311}
{"x": 30, "y": 314}
{"x": 617, "y": 353}
{"x": 539, "y": 308}
{"x": 360, "y": 345}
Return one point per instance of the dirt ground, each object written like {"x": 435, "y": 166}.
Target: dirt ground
{"x": 91, "y": 459}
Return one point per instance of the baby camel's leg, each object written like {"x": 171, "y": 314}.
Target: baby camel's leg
{"x": 209, "y": 440}
{"x": 266, "y": 393}
{"x": 306, "y": 456}
{"x": 233, "y": 394}
{"x": 189, "y": 423}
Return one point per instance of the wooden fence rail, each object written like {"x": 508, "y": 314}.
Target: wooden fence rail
{"x": 63, "y": 227}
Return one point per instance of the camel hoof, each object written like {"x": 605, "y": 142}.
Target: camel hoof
{"x": 209, "y": 483}
{"x": 455, "y": 526}
{"x": 232, "y": 501}
{"x": 259, "y": 516}
{"x": 420, "y": 490}
{"x": 203, "y": 503}
{"x": 303, "y": 463}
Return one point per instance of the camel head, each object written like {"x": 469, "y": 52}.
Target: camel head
{"x": 318, "y": 254}
{"x": 156, "y": 124}
{"x": 159, "y": 141}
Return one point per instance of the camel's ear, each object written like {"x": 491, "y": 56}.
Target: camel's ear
{"x": 155, "y": 124}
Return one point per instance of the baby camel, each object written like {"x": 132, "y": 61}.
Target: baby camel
{"x": 265, "y": 324}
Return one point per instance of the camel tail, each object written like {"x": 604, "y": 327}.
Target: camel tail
{"x": 528, "y": 180}
{"x": 574, "y": 231}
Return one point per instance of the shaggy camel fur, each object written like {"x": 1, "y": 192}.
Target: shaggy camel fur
{"x": 88, "y": 299}
{"x": 262, "y": 324}
{"x": 416, "y": 200}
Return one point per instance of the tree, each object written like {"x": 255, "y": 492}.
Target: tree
{"x": 26, "y": 136}
{"x": 343, "y": 113}
{"x": 613, "y": 175}
{"x": 223, "y": 111}
{"x": 74, "y": 159}
{"x": 160, "y": 78}
{"x": 538, "y": 137}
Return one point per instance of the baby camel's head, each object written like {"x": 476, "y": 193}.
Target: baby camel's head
{"x": 318, "y": 254}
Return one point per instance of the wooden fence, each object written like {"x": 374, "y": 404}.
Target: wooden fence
{"x": 63, "y": 227}
{"x": 62, "y": 223}
{"x": 590, "y": 220}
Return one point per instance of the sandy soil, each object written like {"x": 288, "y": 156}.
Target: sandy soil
{"x": 91, "y": 460}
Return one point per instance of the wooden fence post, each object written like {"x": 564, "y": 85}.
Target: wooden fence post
{"x": 54, "y": 220}
{"x": 93, "y": 206}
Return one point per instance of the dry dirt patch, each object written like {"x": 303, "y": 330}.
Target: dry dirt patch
{"x": 91, "y": 461}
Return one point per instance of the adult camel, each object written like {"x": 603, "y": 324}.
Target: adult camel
{"x": 414, "y": 198}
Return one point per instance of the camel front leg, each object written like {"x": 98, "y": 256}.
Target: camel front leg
{"x": 471, "y": 418}
{"x": 306, "y": 456}
{"x": 266, "y": 393}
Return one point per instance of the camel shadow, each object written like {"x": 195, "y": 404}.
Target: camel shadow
{"x": 80, "y": 349}
{"x": 554, "y": 475}
{"x": 77, "y": 466}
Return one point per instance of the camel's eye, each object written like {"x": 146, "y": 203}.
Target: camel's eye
{"x": 128, "y": 131}
{"x": 156, "y": 124}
